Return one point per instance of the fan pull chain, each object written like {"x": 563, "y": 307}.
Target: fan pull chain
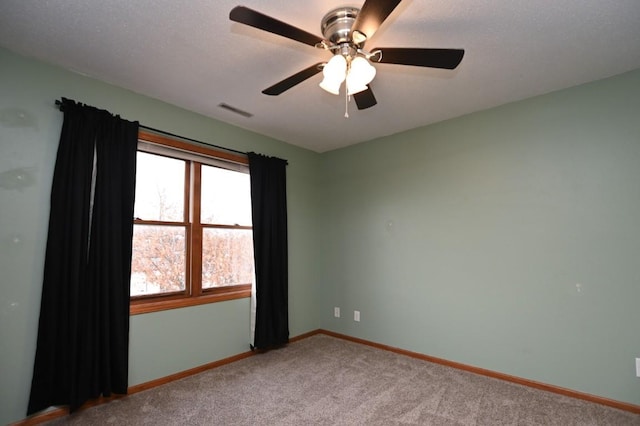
{"x": 346, "y": 103}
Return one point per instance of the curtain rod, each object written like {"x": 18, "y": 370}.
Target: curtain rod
{"x": 191, "y": 140}
{"x": 60, "y": 104}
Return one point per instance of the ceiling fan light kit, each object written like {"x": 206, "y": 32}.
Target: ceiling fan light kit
{"x": 345, "y": 31}
{"x": 357, "y": 72}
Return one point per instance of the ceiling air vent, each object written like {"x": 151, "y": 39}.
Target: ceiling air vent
{"x": 235, "y": 110}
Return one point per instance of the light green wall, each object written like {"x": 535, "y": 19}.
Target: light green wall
{"x": 508, "y": 239}
{"x": 160, "y": 344}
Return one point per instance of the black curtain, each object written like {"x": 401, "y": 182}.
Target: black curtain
{"x": 83, "y": 335}
{"x": 269, "y": 211}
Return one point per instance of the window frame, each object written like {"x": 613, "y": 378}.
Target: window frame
{"x": 193, "y": 294}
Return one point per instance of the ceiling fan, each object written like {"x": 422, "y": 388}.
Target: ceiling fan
{"x": 345, "y": 31}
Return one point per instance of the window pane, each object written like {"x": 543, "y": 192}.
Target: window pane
{"x": 159, "y": 188}
{"x": 227, "y": 257}
{"x": 226, "y": 197}
{"x": 158, "y": 262}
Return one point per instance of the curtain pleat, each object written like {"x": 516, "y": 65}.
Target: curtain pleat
{"x": 269, "y": 212}
{"x": 83, "y": 333}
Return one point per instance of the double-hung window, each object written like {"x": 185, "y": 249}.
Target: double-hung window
{"x": 192, "y": 236}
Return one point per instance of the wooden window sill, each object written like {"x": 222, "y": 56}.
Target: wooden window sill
{"x": 145, "y": 307}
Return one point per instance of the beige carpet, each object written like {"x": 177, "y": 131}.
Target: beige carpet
{"x": 323, "y": 380}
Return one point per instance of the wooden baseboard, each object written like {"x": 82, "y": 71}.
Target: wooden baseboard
{"x": 494, "y": 374}
{"x": 53, "y": 413}
{"x": 182, "y": 374}
{"x": 305, "y": 335}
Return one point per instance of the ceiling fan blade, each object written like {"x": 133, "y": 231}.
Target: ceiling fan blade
{"x": 250, "y": 17}
{"x": 289, "y": 82}
{"x": 371, "y": 16}
{"x": 433, "y": 58}
{"x": 365, "y": 99}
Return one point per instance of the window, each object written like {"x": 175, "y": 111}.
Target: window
{"x": 192, "y": 236}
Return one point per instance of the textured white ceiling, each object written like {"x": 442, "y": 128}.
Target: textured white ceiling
{"x": 190, "y": 54}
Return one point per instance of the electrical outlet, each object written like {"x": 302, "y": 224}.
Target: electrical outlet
{"x": 637, "y": 367}
{"x": 336, "y": 312}
{"x": 356, "y": 316}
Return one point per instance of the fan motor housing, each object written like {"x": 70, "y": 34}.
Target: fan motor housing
{"x": 336, "y": 25}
